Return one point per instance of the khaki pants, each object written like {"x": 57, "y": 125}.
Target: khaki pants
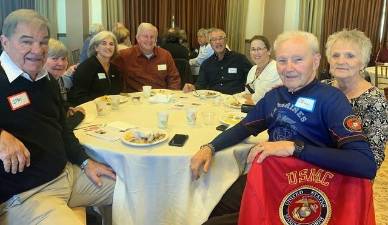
{"x": 50, "y": 203}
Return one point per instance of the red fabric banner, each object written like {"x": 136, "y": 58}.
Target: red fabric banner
{"x": 291, "y": 191}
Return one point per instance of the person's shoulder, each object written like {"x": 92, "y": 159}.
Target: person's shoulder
{"x": 373, "y": 95}
{"x": 208, "y": 61}
{"x": 128, "y": 52}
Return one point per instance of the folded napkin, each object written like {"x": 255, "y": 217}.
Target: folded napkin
{"x": 105, "y": 133}
{"x": 109, "y": 132}
{"x": 160, "y": 98}
{"x": 120, "y": 126}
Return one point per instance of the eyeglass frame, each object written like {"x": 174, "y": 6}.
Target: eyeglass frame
{"x": 218, "y": 39}
{"x": 258, "y": 49}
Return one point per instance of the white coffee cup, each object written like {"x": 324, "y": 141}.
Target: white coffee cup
{"x": 162, "y": 119}
{"x": 191, "y": 116}
{"x": 147, "y": 91}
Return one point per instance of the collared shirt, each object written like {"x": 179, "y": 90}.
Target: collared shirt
{"x": 205, "y": 51}
{"x": 137, "y": 70}
{"x": 13, "y": 71}
{"x": 227, "y": 76}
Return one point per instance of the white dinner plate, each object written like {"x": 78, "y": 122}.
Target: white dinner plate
{"x": 234, "y": 102}
{"x": 107, "y": 99}
{"x": 206, "y": 93}
{"x": 232, "y": 118}
{"x": 141, "y": 137}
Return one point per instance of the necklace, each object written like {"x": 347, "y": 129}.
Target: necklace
{"x": 259, "y": 70}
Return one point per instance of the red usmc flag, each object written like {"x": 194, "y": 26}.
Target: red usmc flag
{"x": 294, "y": 192}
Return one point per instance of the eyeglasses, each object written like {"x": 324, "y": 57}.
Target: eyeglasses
{"x": 258, "y": 49}
{"x": 217, "y": 39}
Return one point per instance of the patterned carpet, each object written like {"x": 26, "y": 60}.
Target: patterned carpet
{"x": 380, "y": 188}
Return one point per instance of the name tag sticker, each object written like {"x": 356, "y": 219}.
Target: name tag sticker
{"x": 18, "y": 101}
{"x": 101, "y": 76}
{"x": 307, "y": 104}
{"x": 232, "y": 70}
{"x": 162, "y": 67}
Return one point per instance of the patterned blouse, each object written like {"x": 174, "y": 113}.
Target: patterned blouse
{"x": 372, "y": 108}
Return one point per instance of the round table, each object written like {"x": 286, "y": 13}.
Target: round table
{"x": 154, "y": 183}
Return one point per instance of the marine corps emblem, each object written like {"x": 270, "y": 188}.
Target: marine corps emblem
{"x": 353, "y": 123}
{"x": 305, "y": 205}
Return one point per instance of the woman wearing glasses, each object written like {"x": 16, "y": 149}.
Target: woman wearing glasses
{"x": 263, "y": 76}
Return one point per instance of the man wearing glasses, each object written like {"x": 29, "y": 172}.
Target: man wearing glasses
{"x": 225, "y": 71}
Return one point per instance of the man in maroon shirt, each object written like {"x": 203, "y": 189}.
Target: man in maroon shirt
{"x": 147, "y": 64}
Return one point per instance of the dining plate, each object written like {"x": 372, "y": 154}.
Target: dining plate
{"x": 232, "y": 118}
{"x": 107, "y": 99}
{"x": 206, "y": 93}
{"x": 234, "y": 102}
{"x": 144, "y": 137}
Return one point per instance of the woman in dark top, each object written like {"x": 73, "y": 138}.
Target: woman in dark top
{"x": 97, "y": 76}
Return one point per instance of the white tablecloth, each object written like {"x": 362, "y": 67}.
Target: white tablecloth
{"x": 154, "y": 185}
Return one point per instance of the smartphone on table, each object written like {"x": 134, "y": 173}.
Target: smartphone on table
{"x": 222, "y": 127}
{"x": 178, "y": 140}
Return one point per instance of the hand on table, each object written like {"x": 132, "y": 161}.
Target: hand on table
{"x": 94, "y": 170}
{"x": 14, "y": 155}
{"x": 201, "y": 160}
{"x": 72, "y": 110}
{"x": 188, "y": 87}
{"x": 275, "y": 148}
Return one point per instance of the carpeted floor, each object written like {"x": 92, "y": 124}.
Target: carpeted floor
{"x": 380, "y": 192}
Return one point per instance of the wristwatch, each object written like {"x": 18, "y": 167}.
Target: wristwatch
{"x": 299, "y": 147}
{"x": 209, "y": 145}
{"x": 84, "y": 164}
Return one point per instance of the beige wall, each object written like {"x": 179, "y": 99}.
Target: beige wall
{"x": 273, "y": 19}
{"x": 77, "y": 23}
{"x": 255, "y": 17}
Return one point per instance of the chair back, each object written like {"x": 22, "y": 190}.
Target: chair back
{"x": 75, "y": 56}
{"x": 381, "y": 76}
{"x": 291, "y": 191}
{"x": 183, "y": 67}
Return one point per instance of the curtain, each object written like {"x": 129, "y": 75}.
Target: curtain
{"x": 385, "y": 28}
{"x": 190, "y": 15}
{"x": 364, "y": 15}
{"x": 112, "y": 12}
{"x": 311, "y": 16}
{"x": 7, "y": 6}
{"x": 48, "y": 9}
{"x": 236, "y": 23}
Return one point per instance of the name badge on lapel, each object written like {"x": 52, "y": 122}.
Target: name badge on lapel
{"x": 307, "y": 104}
{"x": 101, "y": 76}
{"x": 162, "y": 67}
{"x": 232, "y": 70}
{"x": 18, "y": 101}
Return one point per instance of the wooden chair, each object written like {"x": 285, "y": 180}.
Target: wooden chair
{"x": 183, "y": 67}
{"x": 381, "y": 76}
{"x": 75, "y": 56}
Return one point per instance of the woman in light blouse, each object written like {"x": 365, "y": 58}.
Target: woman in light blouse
{"x": 263, "y": 76}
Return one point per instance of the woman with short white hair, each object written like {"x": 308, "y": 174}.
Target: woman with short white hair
{"x": 348, "y": 53}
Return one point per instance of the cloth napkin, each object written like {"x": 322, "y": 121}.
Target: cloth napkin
{"x": 160, "y": 98}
